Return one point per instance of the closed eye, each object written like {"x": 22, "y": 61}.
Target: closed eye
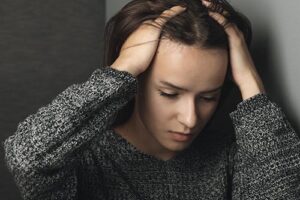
{"x": 209, "y": 98}
{"x": 168, "y": 95}
{"x": 174, "y": 95}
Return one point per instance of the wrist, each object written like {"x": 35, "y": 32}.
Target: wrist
{"x": 122, "y": 65}
{"x": 251, "y": 87}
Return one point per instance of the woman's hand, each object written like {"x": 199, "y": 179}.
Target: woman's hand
{"x": 140, "y": 47}
{"x": 243, "y": 69}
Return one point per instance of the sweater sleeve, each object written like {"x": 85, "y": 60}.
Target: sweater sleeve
{"x": 265, "y": 157}
{"x": 43, "y": 153}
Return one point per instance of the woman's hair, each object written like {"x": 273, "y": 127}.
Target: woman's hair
{"x": 192, "y": 27}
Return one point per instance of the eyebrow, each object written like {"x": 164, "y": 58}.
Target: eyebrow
{"x": 184, "y": 89}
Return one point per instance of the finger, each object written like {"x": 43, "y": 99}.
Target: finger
{"x": 221, "y": 20}
{"x": 168, "y": 14}
{"x": 206, "y": 3}
{"x": 216, "y": 8}
{"x": 230, "y": 28}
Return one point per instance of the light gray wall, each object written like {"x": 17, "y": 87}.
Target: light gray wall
{"x": 275, "y": 47}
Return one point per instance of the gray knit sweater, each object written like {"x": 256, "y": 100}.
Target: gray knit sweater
{"x": 68, "y": 150}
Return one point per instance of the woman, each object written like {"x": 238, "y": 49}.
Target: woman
{"x": 137, "y": 129}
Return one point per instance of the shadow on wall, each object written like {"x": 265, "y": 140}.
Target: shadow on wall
{"x": 263, "y": 53}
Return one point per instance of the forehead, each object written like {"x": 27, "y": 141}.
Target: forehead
{"x": 189, "y": 66}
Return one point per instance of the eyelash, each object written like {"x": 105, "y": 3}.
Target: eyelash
{"x": 173, "y": 96}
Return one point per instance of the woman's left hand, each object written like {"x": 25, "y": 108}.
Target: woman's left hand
{"x": 243, "y": 69}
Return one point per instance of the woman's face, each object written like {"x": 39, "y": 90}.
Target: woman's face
{"x": 185, "y": 110}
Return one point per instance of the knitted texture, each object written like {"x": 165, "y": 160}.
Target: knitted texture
{"x": 68, "y": 150}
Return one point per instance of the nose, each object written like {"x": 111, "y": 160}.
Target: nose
{"x": 188, "y": 114}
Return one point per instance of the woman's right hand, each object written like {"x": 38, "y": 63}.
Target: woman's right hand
{"x": 139, "y": 48}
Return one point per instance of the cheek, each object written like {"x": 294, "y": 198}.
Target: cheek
{"x": 159, "y": 108}
{"x": 154, "y": 109}
{"x": 206, "y": 110}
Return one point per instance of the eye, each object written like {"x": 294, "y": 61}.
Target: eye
{"x": 174, "y": 95}
{"x": 210, "y": 98}
{"x": 171, "y": 96}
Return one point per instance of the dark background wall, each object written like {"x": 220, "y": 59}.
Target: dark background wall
{"x": 45, "y": 46}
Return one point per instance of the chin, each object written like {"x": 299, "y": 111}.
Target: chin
{"x": 177, "y": 147}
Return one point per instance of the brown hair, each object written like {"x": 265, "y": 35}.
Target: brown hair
{"x": 192, "y": 27}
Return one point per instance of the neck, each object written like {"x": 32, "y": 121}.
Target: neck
{"x": 134, "y": 131}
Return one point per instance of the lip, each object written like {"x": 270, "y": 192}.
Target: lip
{"x": 180, "y": 137}
{"x": 189, "y": 133}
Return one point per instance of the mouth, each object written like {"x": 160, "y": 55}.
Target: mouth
{"x": 180, "y": 137}
{"x": 187, "y": 133}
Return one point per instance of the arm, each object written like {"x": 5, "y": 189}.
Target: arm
{"x": 266, "y": 153}
{"x": 265, "y": 157}
{"x": 42, "y": 153}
